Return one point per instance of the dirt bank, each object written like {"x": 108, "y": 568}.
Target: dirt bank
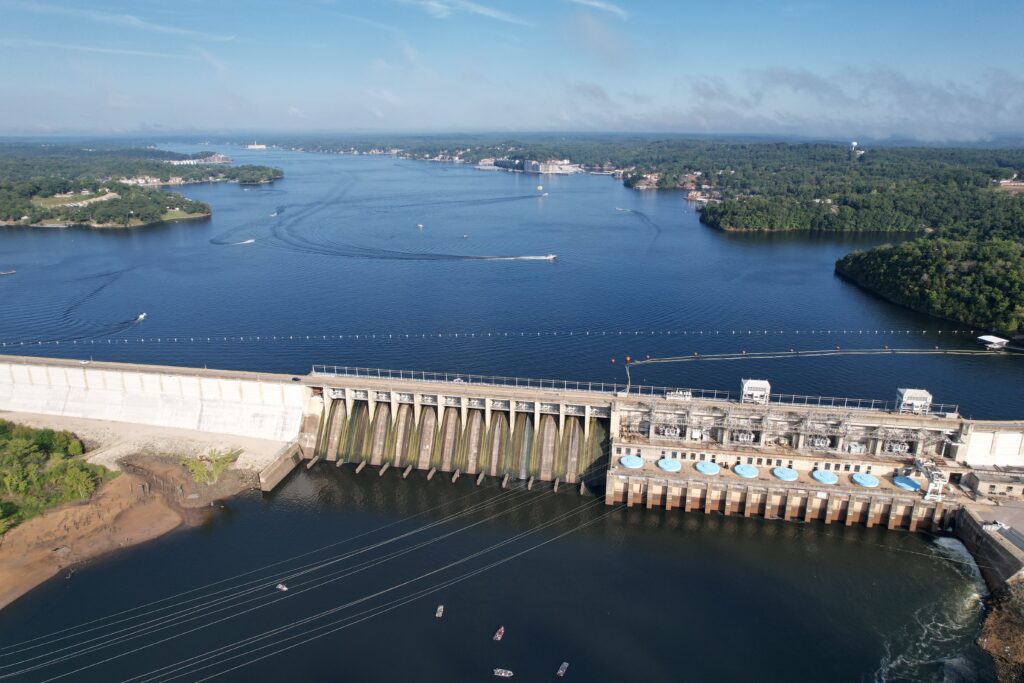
{"x": 153, "y": 496}
{"x": 1002, "y": 635}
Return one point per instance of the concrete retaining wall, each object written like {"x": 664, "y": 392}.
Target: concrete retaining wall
{"x": 207, "y": 401}
{"x": 284, "y": 462}
{"x": 997, "y": 558}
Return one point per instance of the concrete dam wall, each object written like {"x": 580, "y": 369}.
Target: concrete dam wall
{"x": 242, "y": 404}
{"x": 447, "y": 439}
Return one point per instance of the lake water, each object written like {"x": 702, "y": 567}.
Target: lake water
{"x": 333, "y": 252}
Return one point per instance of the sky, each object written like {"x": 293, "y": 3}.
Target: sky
{"x": 928, "y": 70}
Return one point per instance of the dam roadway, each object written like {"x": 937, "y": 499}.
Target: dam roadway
{"x": 639, "y": 445}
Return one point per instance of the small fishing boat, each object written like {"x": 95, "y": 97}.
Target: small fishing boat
{"x": 281, "y": 587}
{"x": 499, "y": 633}
{"x": 8, "y": 272}
{"x": 273, "y": 214}
{"x": 503, "y": 673}
{"x": 440, "y": 611}
{"x": 562, "y": 669}
{"x": 419, "y": 225}
{"x": 142, "y": 316}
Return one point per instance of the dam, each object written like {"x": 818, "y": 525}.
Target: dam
{"x": 904, "y": 464}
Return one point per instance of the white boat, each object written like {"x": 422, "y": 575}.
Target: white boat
{"x": 503, "y": 673}
{"x": 281, "y": 587}
{"x": 562, "y": 669}
{"x": 142, "y": 316}
{"x": 440, "y": 611}
{"x": 500, "y": 633}
{"x": 8, "y": 272}
{"x": 273, "y": 214}
{"x": 419, "y": 225}
{"x": 989, "y": 341}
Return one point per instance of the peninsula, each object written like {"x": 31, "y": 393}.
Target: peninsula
{"x": 119, "y": 187}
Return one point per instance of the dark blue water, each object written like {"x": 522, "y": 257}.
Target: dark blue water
{"x": 627, "y": 595}
{"x": 632, "y": 595}
{"x": 343, "y": 257}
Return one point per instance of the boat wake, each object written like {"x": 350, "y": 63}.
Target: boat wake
{"x": 294, "y": 243}
{"x": 546, "y": 257}
{"x": 230, "y": 239}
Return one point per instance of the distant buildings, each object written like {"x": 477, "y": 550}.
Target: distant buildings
{"x": 552, "y": 167}
{"x": 212, "y": 159}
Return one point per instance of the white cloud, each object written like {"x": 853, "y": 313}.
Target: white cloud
{"x": 383, "y": 95}
{"x": 603, "y": 6}
{"x": 17, "y": 42}
{"x": 123, "y": 20}
{"x": 442, "y": 9}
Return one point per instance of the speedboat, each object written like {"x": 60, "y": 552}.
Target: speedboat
{"x": 8, "y": 272}
{"x": 281, "y": 587}
{"x": 503, "y": 673}
{"x": 142, "y": 316}
{"x": 562, "y": 669}
{"x": 440, "y": 611}
{"x": 499, "y": 633}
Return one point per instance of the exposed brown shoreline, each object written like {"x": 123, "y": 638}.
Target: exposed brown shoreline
{"x": 105, "y": 226}
{"x": 154, "y": 495}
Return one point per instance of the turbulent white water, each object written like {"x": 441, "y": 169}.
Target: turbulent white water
{"x": 932, "y": 645}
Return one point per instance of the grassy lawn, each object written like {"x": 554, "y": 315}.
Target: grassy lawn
{"x": 177, "y": 215}
{"x": 50, "y": 202}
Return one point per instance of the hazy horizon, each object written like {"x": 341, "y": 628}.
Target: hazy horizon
{"x": 917, "y": 72}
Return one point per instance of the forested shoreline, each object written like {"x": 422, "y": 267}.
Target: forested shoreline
{"x": 40, "y": 469}
{"x": 962, "y": 207}
{"x": 60, "y": 185}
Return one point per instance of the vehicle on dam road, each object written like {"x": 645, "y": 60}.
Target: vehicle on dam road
{"x": 499, "y": 633}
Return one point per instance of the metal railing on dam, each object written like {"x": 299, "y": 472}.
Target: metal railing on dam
{"x": 637, "y": 390}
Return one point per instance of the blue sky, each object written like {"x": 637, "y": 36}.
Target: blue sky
{"x": 924, "y": 69}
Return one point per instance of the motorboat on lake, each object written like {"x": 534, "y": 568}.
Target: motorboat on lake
{"x": 499, "y": 633}
{"x": 440, "y": 611}
{"x": 142, "y": 316}
{"x": 503, "y": 673}
{"x": 562, "y": 669}
{"x": 281, "y": 587}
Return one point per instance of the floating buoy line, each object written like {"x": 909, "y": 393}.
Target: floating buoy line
{"x": 504, "y": 334}
{"x": 815, "y": 353}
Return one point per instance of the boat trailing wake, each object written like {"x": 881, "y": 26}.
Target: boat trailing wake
{"x": 294, "y": 243}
